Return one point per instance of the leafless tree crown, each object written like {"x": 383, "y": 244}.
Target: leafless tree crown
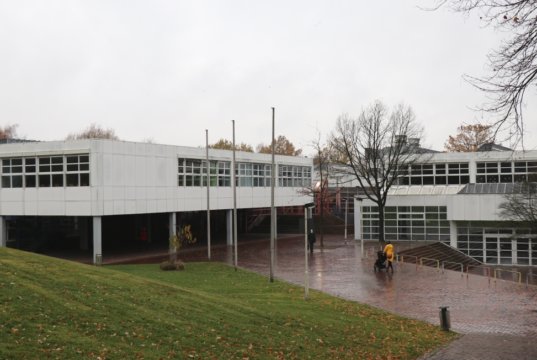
{"x": 375, "y": 146}
{"x": 521, "y": 205}
{"x": 94, "y": 131}
{"x": 513, "y": 65}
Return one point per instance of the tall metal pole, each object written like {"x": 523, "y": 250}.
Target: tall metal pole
{"x": 208, "y": 194}
{"x": 306, "y": 273}
{"x": 346, "y": 206}
{"x": 272, "y": 209}
{"x": 234, "y": 179}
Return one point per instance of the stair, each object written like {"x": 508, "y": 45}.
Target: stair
{"x": 451, "y": 257}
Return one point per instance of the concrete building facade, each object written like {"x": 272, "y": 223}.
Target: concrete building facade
{"x": 455, "y": 198}
{"x": 89, "y": 181}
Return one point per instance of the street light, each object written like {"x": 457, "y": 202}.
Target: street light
{"x": 306, "y": 272}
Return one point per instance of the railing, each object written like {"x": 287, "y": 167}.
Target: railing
{"x": 497, "y": 271}
{"x": 528, "y": 275}
{"x": 429, "y": 259}
{"x": 402, "y": 259}
{"x": 486, "y": 268}
{"x": 455, "y": 263}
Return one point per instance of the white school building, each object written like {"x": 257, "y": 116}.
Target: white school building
{"x": 455, "y": 198}
{"x": 93, "y": 194}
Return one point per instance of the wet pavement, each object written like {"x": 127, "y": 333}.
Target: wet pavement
{"x": 498, "y": 318}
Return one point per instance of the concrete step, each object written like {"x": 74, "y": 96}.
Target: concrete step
{"x": 451, "y": 257}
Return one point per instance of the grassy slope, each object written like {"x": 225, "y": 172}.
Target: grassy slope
{"x": 50, "y": 308}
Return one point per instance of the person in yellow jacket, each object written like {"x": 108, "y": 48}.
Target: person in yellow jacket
{"x": 390, "y": 255}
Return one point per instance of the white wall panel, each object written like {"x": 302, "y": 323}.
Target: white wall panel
{"x": 78, "y": 208}
{"x": 51, "y": 208}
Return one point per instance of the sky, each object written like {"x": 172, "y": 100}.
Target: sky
{"x": 165, "y": 71}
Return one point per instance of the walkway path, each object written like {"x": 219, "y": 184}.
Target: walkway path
{"x": 499, "y": 319}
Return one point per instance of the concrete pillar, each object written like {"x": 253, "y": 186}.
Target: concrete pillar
{"x": 357, "y": 219}
{"x": 3, "y": 232}
{"x": 172, "y": 224}
{"x": 453, "y": 234}
{"x": 229, "y": 227}
{"x": 97, "y": 240}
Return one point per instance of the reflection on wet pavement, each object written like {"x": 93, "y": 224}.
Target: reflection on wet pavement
{"x": 476, "y": 304}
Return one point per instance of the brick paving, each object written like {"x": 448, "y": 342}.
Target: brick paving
{"x": 498, "y": 319}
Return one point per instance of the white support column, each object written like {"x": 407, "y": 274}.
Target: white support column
{"x": 229, "y": 227}
{"x": 172, "y": 224}
{"x": 3, "y": 232}
{"x": 97, "y": 240}
{"x": 453, "y": 234}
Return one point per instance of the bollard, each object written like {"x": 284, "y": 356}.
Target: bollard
{"x": 98, "y": 259}
{"x": 444, "y": 318}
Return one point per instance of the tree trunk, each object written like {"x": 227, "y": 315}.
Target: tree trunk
{"x": 381, "y": 224}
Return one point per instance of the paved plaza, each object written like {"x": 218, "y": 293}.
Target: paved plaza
{"x": 498, "y": 319}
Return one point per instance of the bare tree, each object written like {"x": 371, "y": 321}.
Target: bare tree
{"x": 94, "y": 131}
{"x": 8, "y": 132}
{"x": 521, "y": 204}
{"x": 224, "y": 144}
{"x": 469, "y": 138}
{"x": 377, "y": 145}
{"x": 282, "y": 147}
{"x": 513, "y": 66}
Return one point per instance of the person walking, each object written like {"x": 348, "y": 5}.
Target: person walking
{"x": 390, "y": 255}
{"x": 311, "y": 240}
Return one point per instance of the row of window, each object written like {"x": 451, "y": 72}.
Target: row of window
{"x": 506, "y": 172}
{"x": 193, "y": 172}
{"x": 45, "y": 171}
{"x": 435, "y": 174}
{"x": 498, "y": 246}
{"x": 459, "y": 174}
{"x": 416, "y": 223}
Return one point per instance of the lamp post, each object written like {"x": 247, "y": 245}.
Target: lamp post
{"x": 273, "y": 213}
{"x": 234, "y": 180}
{"x": 306, "y": 266}
{"x": 208, "y": 194}
{"x": 346, "y": 209}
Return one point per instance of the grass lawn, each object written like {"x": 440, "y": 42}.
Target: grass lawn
{"x": 51, "y": 308}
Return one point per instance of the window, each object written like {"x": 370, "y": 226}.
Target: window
{"x": 12, "y": 173}
{"x": 46, "y": 171}
{"x": 435, "y": 174}
{"x": 193, "y": 172}
{"x": 505, "y": 172}
{"x": 294, "y": 176}
{"x": 77, "y": 170}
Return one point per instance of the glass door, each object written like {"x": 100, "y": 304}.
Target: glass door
{"x": 491, "y": 249}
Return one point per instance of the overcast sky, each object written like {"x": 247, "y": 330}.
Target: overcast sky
{"x": 168, "y": 70}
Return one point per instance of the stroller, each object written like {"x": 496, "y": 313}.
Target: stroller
{"x": 380, "y": 263}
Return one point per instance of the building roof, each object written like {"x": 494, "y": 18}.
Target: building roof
{"x": 493, "y": 147}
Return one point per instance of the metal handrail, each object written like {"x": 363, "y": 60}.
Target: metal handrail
{"x": 411, "y": 256}
{"x": 456, "y": 263}
{"x": 480, "y": 267}
{"x": 425, "y": 258}
{"x": 527, "y": 278}
{"x": 511, "y": 271}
